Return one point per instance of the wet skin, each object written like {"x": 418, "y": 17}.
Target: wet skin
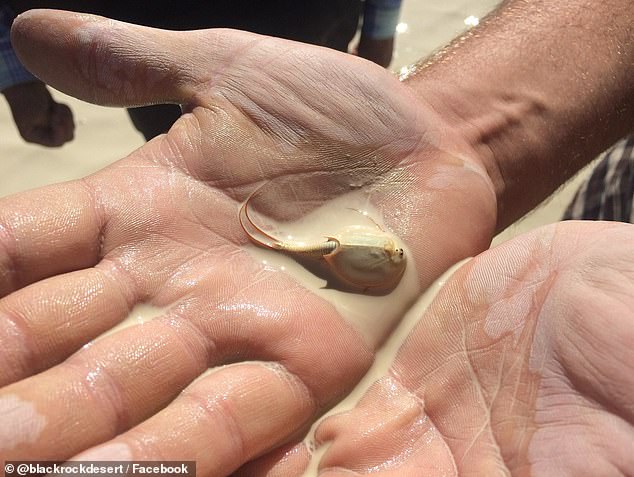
{"x": 160, "y": 226}
{"x": 519, "y": 366}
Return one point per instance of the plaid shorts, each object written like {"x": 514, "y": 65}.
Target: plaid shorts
{"x": 11, "y": 70}
{"x": 607, "y": 194}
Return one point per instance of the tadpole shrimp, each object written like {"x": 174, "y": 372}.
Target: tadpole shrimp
{"x": 361, "y": 256}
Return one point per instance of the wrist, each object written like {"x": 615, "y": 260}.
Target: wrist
{"x": 499, "y": 127}
{"x": 536, "y": 103}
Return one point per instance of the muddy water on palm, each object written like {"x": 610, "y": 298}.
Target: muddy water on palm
{"x": 383, "y": 360}
{"x": 374, "y": 316}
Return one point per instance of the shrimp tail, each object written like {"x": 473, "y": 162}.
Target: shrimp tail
{"x": 255, "y": 233}
{"x": 367, "y": 217}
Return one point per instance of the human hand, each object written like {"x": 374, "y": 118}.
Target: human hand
{"x": 38, "y": 117}
{"x": 522, "y": 364}
{"x": 378, "y": 51}
{"x": 161, "y": 226}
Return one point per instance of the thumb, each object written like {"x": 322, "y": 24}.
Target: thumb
{"x": 119, "y": 64}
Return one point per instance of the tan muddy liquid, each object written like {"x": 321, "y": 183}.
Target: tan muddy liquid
{"x": 140, "y": 314}
{"x": 383, "y": 360}
{"x": 379, "y": 319}
{"x": 372, "y": 316}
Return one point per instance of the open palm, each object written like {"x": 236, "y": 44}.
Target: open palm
{"x": 520, "y": 366}
{"x": 161, "y": 227}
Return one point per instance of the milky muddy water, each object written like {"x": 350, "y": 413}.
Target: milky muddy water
{"x": 373, "y": 316}
{"x": 141, "y": 313}
{"x": 383, "y": 360}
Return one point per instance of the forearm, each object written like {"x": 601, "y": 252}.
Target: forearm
{"x": 538, "y": 89}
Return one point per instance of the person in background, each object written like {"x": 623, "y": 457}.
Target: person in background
{"x": 38, "y": 117}
{"x": 608, "y": 192}
{"x": 380, "y": 18}
{"x": 333, "y": 24}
